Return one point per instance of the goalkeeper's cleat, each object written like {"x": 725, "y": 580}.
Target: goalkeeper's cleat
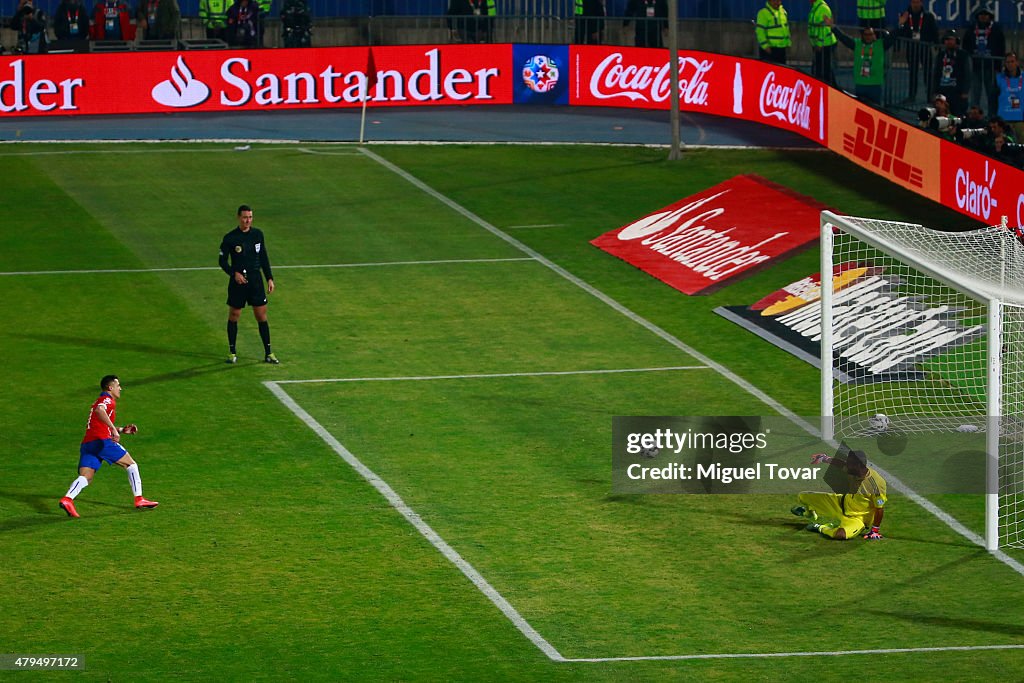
{"x": 68, "y": 506}
{"x": 143, "y": 504}
{"x": 272, "y": 359}
{"x": 231, "y": 359}
{"x": 813, "y": 526}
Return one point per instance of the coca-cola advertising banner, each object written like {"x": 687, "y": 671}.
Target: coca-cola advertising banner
{"x": 711, "y": 83}
{"x": 706, "y": 240}
{"x": 151, "y": 82}
{"x": 906, "y": 155}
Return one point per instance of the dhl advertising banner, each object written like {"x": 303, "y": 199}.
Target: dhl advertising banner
{"x": 249, "y": 80}
{"x": 714, "y": 84}
{"x": 895, "y": 150}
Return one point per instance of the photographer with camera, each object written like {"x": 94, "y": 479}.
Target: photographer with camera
{"x": 938, "y": 119}
{"x": 996, "y": 141}
{"x": 30, "y": 25}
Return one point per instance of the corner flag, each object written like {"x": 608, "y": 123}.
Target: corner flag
{"x": 371, "y": 81}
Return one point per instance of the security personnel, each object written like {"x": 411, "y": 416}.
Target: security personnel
{"x": 868, "y": 61}
{"x": 214, "y": 16}
{"x": 823, "y": 42}
{"x": 772, "y": 32}
{"x": 589, "y": 19}
{"x": 871, "y": 13}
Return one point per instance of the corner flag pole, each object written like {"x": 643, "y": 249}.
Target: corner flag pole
{"x": 371, "y": 81}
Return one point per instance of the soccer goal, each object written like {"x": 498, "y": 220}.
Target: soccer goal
{"x": 927, "y": 328}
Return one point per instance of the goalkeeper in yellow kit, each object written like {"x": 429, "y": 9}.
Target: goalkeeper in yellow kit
{"x": 846, "y": 515}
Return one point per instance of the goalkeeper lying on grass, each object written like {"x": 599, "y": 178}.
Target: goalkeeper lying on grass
{"x": 846, "y": 515}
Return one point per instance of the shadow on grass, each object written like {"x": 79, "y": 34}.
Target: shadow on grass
{"x": 916, "y": 618}
{"x": 46, "y": 510}
{"x": 115, "y": 344}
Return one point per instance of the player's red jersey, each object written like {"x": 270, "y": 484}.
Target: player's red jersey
{"x": 94, "y": 429}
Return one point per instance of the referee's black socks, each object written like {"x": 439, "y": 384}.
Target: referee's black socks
{"x": 232, "y": 335}
{"x": 265, "y": 336}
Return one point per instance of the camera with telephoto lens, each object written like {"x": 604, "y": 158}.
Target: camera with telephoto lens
{"x": 968, "y": 133}
{"x": 942, "y": 123}
{"x": 925, "y": 114}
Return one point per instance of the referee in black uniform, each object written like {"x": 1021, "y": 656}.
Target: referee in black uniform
{"x": 243, "y": 254}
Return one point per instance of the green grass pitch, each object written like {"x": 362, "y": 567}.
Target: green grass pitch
{"x": 271, "y": 558}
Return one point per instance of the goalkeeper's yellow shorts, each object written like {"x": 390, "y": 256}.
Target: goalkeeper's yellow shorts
{"x": 830, "y": 514}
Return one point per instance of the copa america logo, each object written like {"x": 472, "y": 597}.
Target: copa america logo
{"x": 540, "y": 73}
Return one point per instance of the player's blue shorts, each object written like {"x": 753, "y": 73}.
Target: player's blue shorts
{"x": 93, "y": 453}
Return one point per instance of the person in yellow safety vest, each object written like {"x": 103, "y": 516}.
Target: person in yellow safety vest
{"x": 589, "y": 20}
{"x": 214, "y": 16}
{"x": 871, "y": 13}
{"x": 772, "y": 31}
{"x": 823, "y": 42}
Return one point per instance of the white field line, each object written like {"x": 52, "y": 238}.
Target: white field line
{"x": 491, "y": 375}
{"x": 285, "y": 267}
{"x": 484, "y": 586}
{"x": 821, "y": 653}
{"x": 413, "y": 518}
{"x": 894, "y": 483}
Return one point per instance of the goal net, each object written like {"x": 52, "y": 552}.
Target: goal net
{"x": 927, "y": 328}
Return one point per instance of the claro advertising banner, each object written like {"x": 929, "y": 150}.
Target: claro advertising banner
{"x": 248, "y": 80}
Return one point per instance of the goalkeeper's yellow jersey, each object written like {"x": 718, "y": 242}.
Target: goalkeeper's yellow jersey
{"x": 870, "y": 495}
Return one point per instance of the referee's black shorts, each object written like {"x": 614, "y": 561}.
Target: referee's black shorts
{"x": 252, "y": 293}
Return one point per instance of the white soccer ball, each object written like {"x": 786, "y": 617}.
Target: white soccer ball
{"x": 879, "y": 422}
{"x": 968, "y": 428}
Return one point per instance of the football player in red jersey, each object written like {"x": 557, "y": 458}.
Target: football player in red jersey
{"x": 102, "y": 441}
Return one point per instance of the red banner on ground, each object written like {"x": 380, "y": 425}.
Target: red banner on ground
{"x": 702, "y": 242}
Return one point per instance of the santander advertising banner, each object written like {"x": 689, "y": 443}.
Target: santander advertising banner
{"x": 715, "y": 84}
{"x": 161, "y": 82}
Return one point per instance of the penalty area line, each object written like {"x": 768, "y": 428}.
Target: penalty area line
{"x": 425, "y": 529}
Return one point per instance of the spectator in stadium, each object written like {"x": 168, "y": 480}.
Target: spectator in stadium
{"x": 244, "y": 21}
{"x": 213, "y": 14}
{"x": 868, "y": 61}
{"x": 919, "y": 30}
{"x": 71, "y": 21}
{"x": 111, "y": 20}
{"x": 471, "y": 21}
{"x": 296, "y": 24}
{"x": 29, "y": 23}
{"x": 951, "y": 75}
{"x": 589, "y": 21}
{"x": 1010, "y": 83}
{"x": 243, "y": 256}
{"x": 823, "y": 41}
{"x": 102, "y": 443}
{"x": 772, "y": 31}
{"x": 985, "y": 42}
{"x": 650, "y": 18}
{"x": 856, "y": 512}
{"x": 975, "y": 117}
{"x": 158, "y": 19}
{"x": 871, "y": 13}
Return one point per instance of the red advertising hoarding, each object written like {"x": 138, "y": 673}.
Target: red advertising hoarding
{"x": 981, "y": 187}
{"x": 248, "y": 80}
{"x": 714, "y": 84}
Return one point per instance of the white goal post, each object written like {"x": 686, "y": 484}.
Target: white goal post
{"x": 927, "y": 328}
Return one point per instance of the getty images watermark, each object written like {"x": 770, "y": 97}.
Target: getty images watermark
{"x": 771, "y": 454}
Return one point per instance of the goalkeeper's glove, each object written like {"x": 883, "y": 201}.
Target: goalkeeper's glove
{"x": 819, "y": 458}
{"x": 130, "y": 429}
{"x": 873, "y": 535}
